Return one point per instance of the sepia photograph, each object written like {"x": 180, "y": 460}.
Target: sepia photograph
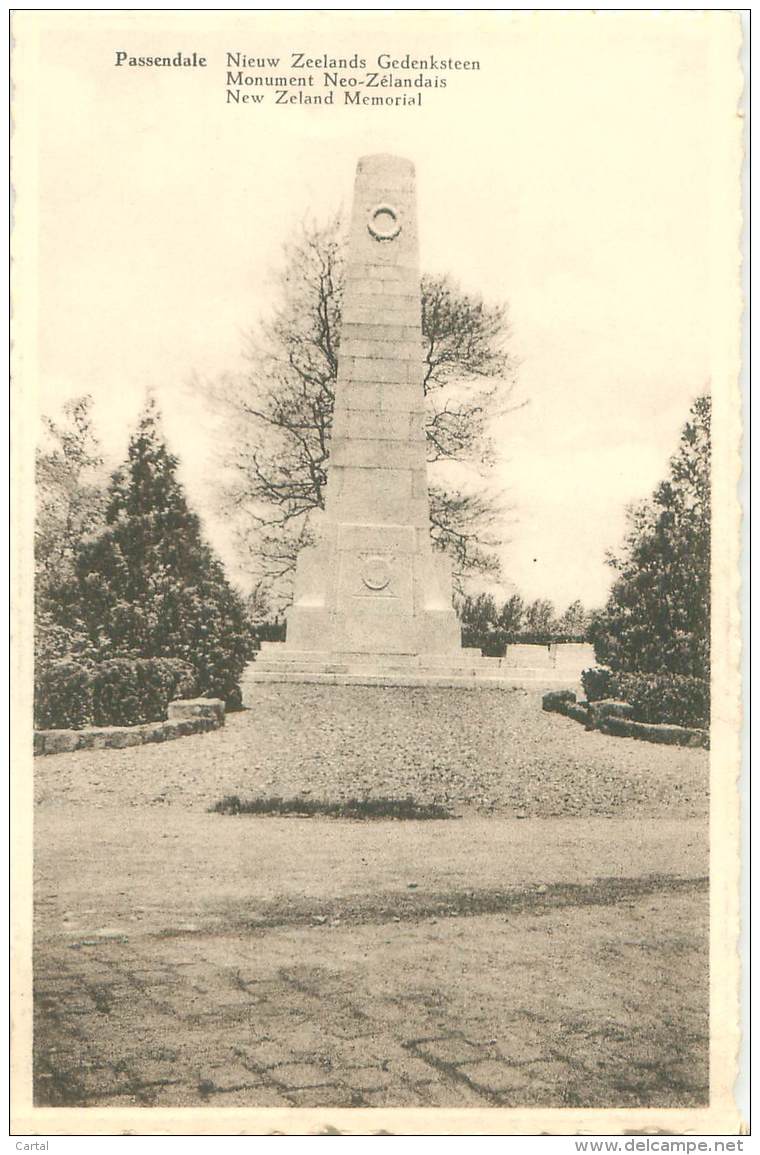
{"x": 377, "y": 424}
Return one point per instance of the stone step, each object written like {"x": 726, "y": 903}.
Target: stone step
{"x": 504, "y": 680}
{"x": 384, "y": 669}
{"x": 280, "y": 652}
{"x": 279, "y": 649}
{"x": 278, "y": 655}
{"x": 287, "y": 659}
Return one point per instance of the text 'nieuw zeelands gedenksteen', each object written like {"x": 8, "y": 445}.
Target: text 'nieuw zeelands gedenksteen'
{"x": 383, "y": 80}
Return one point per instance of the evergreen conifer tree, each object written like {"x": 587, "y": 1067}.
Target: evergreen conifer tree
{"x": 147, "y": 585}
{"x": 657, "y": 618}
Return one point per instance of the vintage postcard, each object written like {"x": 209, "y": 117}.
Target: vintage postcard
{"x": 377, "y": 427}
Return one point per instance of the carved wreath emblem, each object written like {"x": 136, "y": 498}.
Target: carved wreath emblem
{"x": 376, "y": 573}
{"x": 383, "y": 223}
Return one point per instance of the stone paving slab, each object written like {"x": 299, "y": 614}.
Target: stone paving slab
{"x": 473, "y": 1011}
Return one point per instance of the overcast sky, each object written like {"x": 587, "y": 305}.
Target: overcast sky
{"x": 569, "y": 176}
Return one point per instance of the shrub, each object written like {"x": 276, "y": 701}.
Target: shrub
{"x": 63, "y": 695}
{"x": 273, "y": 631}
{"x": 127, "y": 691}
{"x": 610, "y": 708}
{"x": 657, "y": 617}
{"x": 147, "y": 584}
{"x": 662, "y": 734}
{"x": 557, "y": 700}
{"x": 118, "y": 692}
{"x": 599, "y": 683}
{"x": 677, "y": 699}
{"x": 354, "y": 808}
{"x": 493, "y": 645}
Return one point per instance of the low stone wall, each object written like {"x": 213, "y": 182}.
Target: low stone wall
{"x": 533, "y": 657}
{"x": 573, "y": 655}
{"x": 186, "y": 716}
{"x": 568, "y": 658}
{"x": 611, "y": 717}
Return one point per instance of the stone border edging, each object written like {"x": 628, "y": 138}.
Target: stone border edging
{"x": 614, "y": 718}
{"x": 185, "y": 716}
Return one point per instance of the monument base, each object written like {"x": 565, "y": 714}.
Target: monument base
{"x": 466, "y": 668}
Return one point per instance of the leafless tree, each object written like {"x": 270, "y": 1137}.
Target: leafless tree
{"x": 277, "y": 450}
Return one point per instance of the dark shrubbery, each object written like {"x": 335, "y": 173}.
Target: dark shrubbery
{"x": 557, "y": 699}
{"x": 678, "y": 699}
{"x": 272, "y": 631}
{"x": 657, "y": 617}
{"x": 71, "y": 695}
{"x": 598, "y": 684}
{"x": 128, "y": 691}
{"x": 653, "y": 636}
{"x": 147, "y": 585}
{"x": 491, "y": 628}
{"x": 491, "y": 645}
{"x": 63, "y": 695}
{"x": 355, "y": 808}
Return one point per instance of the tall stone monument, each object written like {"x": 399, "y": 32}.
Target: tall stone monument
{"x": 372, "y": 599}
{"x": 372, "y": 595}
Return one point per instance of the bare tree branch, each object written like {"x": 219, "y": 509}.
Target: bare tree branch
{"x": 279, "y": 413}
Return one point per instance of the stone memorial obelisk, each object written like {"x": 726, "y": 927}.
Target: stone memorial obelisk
{"x": 372, "y": 595}
{"x": 372, "y": 601}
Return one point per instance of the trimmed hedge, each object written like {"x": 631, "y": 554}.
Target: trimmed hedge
{"x": 494, "y": 643}
{"x": 654, "y": 732}
{"x": 677, "y": 699}
{"x": 609, "y": 708}
{"x": 557, "y": 699}
{"x": 71, "y": 695}
{"x": 599, "y": 683}
{"x": 615, "y": 718}
{"x": 63, "y": 695}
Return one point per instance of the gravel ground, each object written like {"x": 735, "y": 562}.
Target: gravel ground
{"x": 188, "y": 959}
{"x": 493, "y": 751}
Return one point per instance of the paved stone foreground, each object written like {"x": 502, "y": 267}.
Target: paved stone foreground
{"x": 548, "y": 948}
{"x": 597, "y": 997}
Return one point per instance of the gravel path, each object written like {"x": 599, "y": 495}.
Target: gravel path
{"x": 494, "y": 751}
